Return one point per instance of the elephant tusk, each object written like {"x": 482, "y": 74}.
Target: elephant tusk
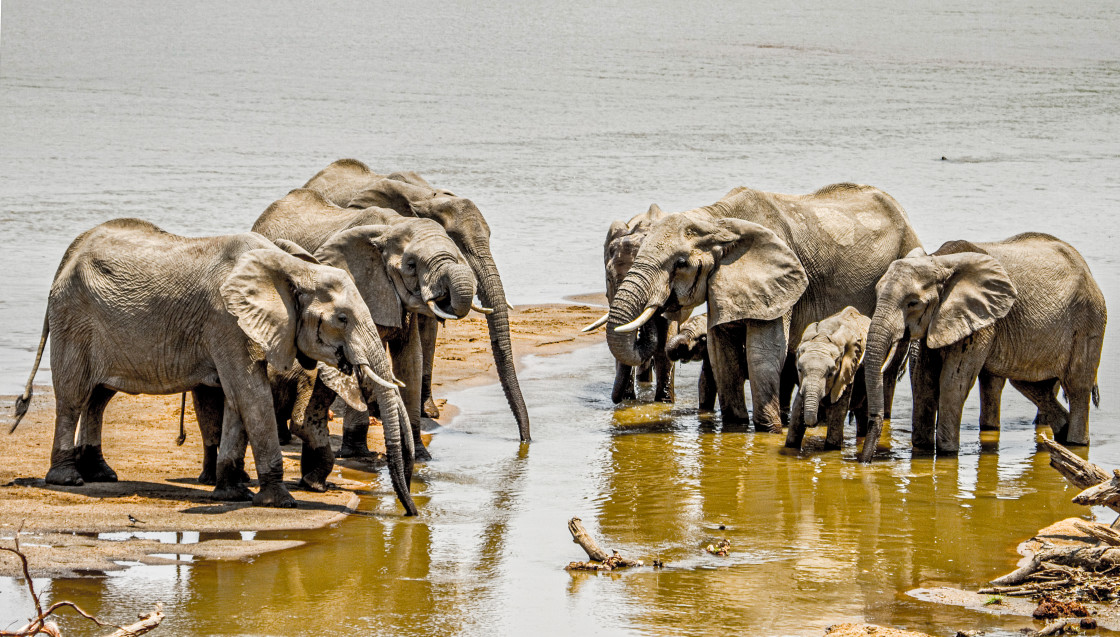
{"x": 399, "y": 383}
{"x": 381, "y": 381}
{"x": 481, "y": 310}
{"x": 598, "y": 323}
{"x": 509, "y": 305}
{"x": 638, "y": 322}
{"x": 440, "y": 313}
{"x": 890, "y": 357}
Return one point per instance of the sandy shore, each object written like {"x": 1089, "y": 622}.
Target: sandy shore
{"x": 158, "y": 483}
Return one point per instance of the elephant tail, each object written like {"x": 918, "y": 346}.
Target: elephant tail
{"x": 24, "y": 401}
{"x": 1096, "y": 396}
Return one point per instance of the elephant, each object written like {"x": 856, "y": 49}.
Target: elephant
{"x": 350, "y": 183}
{"x": 829, "y": 362}
{"x": 1025, "y": 309}
{"x": 623, "y": 240}
{"x": 691, "y": 345}
{"x": 136, "y": 309}
{"x": 767, "y": 265}
{"x": 404, "y": 268}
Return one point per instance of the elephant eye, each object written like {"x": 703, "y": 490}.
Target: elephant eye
{"x": 410, "y": 265}
{"x": 912, "y": 303}
{"x": 342, "y": 318}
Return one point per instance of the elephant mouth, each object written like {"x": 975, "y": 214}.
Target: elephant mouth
{"x": 305, "y": 361}
{"x": 344, "y": 364}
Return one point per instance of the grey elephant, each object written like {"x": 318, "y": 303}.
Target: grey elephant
{"x": 624, "y": 238}
{"x": 690, "y": 345}
{"x": 404, "y": 268}
{"x": 139, "y": 310}
{"x": 350, "y": 183}
{"x": 1025, "y": 309}
{"x": 829, "y": 361}
{"x": 767, "y": 265}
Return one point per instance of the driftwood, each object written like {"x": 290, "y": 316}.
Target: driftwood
{"x": 1059, "y": 626}
{"x": 1102, "y": 532}
{"x": 1107, "y": 493}
{"x": 40, "y": 624}
{"x": 1080, "y": 473}
{"x": 600, "y": 559}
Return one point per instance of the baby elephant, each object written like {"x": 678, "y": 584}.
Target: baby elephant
{"x": 828, "y": 361}
{"x": 691, "y": 345}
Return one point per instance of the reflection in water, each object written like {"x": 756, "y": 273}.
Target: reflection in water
{"x": 816, "y": 537}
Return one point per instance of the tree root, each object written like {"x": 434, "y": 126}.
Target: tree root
{"x": 600, "y": 559}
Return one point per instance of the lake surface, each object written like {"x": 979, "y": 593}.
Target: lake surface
{"x": 556, "y": 119}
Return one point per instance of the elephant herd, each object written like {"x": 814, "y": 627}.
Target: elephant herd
{"x": 340, "y": 288}
{"x": 833, "y": 293}
{"x": 337, "y": 292}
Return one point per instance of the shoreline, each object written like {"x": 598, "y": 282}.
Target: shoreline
{"x": 63, "y": 527}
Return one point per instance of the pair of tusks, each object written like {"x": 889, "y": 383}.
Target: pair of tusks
{"x": 451, "y": 317}
{"x": 629, "y": 327}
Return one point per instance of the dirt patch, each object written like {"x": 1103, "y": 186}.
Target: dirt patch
{"x": 868, "y": 630}
{"x": 159, "y": 487}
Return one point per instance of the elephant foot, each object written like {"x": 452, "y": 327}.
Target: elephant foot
{"x": 354, "y": 443}
{"x": 316, "y": 465}
{"x": 208, "y": 476}
{"x": 64, "y": 469}
{"x": 989, "y": 426}
{"x": 429, "y": 409}
{"x": 239, "y": 473}
{"x": 274, "y": 495}
{"x": 284, "y": 435}
{"x": 421, "y": 454}
{"x": 232, "y": 493}
{"x": 91, "y": 464}
{"x": 209, "y": 473}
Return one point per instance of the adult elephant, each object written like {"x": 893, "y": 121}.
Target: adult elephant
{"x": 404, "y": 268}
{"x": 624, "y": 238}
{"x": 767, "y": 265}
{"x": 350, "y": 183}
{"x": 1025, "y": 309}
{"x": 139, "y": 310}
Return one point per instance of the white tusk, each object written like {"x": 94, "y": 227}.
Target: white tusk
{"x": 481, "y": 310}
{"x": 638, "y": 322}
{"x": 381, "y": 381}
{"x": 440, "y": 313}
{"x": 509, "y": 305}
{"x": 598, "y": 323}
{"x": 399, "y": 383}
{"x": 889, "y": 357}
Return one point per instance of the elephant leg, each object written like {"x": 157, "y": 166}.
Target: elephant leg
{"x": 249, "y": 396}
{"x": 283, "y": 402}
{"x": 72, "y": 393}
{"x": 1077, "y": 433}
{"x": 91, "y": 464}
{"x": 623, "y": 383}
{"x": 729, "y": 368}
{"x": 1080, "y": 386}
{"x": 1044, "y": 395}
{"x": 858, "y": 405}
{"x": 962, "y": 364}
{"x": 664, "y": 390}
{"x": 991, "y": 388}
{"x": 925, "y": 386}
{"x": 796, "y": 432}
{"x": 408, "y": 361}
{"x": 707, "y": 385}
{"x": 209, "y": 403}
{"x": 766, "y": 351}
{"x": 355, "y": 434}
{"x": 429, "y": 334}
{"x": 834, "y": 416}
{"x": 890, "y": 377}
{"x": 316, "y": 457}
{"x": 228, "y": 485}
{"x": 645, "y": 373}
{"x": 789, "y": 383}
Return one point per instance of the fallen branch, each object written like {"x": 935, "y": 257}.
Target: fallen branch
{"x": 1102, "y": 532}
{"x": 1059, "y": 626}
{"x": 1079, "y": 472}
{"x": 147, "y": 623}
{"x": 1107, "y": 493}
{"x": 1018, "y": 575}
{"x": 600, "y": 560}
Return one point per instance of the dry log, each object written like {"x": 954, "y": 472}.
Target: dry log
{"x": 1100, "y": 531}
{"x": 1019, "y": 575}
{"x": 147, "y": 623}
{"x": 1080, "y": 473}
{"x": 1107, "y": 493}
{"x": 1059, "y": 626}
{"x": 600, "y": 560}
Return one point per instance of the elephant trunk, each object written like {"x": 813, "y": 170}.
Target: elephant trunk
{"x": 887, "y": 328}
{"x": 635, "y": 347}
{"x": 393, "y": 413}
{"x": 492, "y": 295}
{"x": 811, "y": 390}
{"x": 461, "y": 288}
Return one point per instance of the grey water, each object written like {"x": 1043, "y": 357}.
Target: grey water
{"x": 982, "y": 119}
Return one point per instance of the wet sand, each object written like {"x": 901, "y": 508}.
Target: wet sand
{"x": 158, "y": 484}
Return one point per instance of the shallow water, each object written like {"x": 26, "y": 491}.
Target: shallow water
{"x": 556, "y": 119}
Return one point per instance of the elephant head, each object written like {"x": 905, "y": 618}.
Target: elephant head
{"x": 410, "y": 265}
{"x": 941, "y": 298}
{"x": 297, "y": 310}
{"x": 828, "y": 357}
{"x": 741, "y": 269}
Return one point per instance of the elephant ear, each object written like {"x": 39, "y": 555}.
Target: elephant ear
{"x": 758, "y": 275}
{"x": 357, "y": 251}
{"x": 345, "y": 385}
{"x": 617, "y": 229}
{"x": 260, "y": 292}
{"x": 295, "y": 250}
{"x": 853, "y": 336}
{"x": 976, "y": 294}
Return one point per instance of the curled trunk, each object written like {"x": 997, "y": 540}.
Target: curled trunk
{"x": 631, "y": 299}
{"x": 886, "y": 329}
{"x": 461, "y": 289}
{"x": 492, "y": 295}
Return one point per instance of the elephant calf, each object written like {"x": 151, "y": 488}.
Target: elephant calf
{"x": 1025, "y": 309}
{"x": 829, "y": 360}
{"x": 691, "y": 345}
{"x": 135, "y": 309}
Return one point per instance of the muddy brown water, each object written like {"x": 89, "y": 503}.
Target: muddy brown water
{"x": 816, "y": 537}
